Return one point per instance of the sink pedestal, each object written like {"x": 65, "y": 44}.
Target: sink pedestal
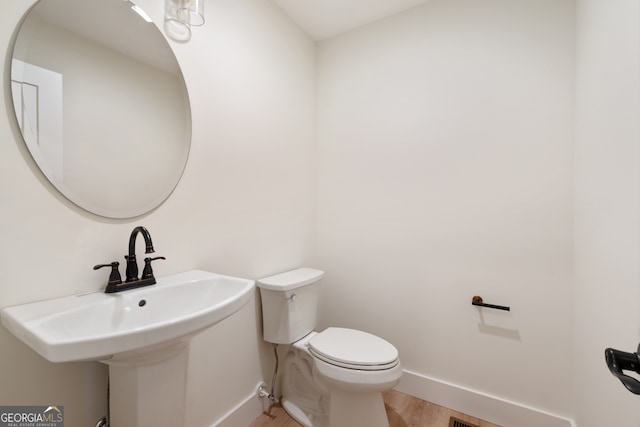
{"x": 148, "y": 393}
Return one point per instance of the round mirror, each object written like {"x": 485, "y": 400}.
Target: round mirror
{"x": 102, "y": 104}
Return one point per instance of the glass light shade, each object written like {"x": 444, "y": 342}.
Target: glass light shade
{"x": 192, "y": 12}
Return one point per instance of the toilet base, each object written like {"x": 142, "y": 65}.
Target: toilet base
{"x": 307, "y": 420}
{"x": 317, "y": 397}
{"x": 357, "y": 409}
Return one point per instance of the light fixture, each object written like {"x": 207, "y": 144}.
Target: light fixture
{"x": 191, "y": 12}
{"x": 180, "y": 16}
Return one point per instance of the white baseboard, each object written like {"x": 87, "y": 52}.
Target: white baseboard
{"x": 244, "y": 413}
{"x": 479, "y": 405}
{"x": 476, "y": 404}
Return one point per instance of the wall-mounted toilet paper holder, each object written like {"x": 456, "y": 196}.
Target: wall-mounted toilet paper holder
{"x": 477, "y": 301}
{"x": 619, "y": 361}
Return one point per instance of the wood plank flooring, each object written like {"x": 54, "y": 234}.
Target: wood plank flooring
{"x": 403, "y": 411}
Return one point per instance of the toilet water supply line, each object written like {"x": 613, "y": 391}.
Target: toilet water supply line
{"x": 262, "y": 392}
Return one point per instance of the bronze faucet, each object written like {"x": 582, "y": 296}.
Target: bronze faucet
{"x": 132, "y": 265}
{"x": 132, "y": 281}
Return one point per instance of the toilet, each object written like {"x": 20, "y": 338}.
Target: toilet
{"x": 333, "y": 378}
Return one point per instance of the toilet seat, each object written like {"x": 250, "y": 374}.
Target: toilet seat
{"x": 353, "y": 349}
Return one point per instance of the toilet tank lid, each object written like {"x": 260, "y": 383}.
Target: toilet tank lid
{"x": 290, "y": 280}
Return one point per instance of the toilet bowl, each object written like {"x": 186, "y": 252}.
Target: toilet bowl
{"x": 332, "y": 378}
{"x": 355, "y": 360}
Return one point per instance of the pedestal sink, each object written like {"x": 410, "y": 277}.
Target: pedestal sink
{"x": 142, "y": 334}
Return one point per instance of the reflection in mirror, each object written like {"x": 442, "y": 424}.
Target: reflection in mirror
{"x": 102, "y": 104}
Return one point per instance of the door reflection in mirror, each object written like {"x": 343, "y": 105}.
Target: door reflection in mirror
{"x": 37, "y": 98}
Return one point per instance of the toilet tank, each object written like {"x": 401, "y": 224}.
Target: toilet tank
{"x": 289, "y": 304}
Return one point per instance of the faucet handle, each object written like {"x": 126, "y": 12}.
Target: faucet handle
{"x": 114, "y": 277}
{"x": 147, "y": 273}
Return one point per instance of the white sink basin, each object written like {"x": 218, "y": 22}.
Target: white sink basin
{"x": 101, "y": 326}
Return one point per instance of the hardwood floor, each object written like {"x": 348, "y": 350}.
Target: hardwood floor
{"x": 403, "y": 411}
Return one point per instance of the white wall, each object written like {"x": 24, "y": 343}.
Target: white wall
{"x": 445, "y": 171}
{"x": 237, "y": 211}
{"x": 607, "y": 163}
